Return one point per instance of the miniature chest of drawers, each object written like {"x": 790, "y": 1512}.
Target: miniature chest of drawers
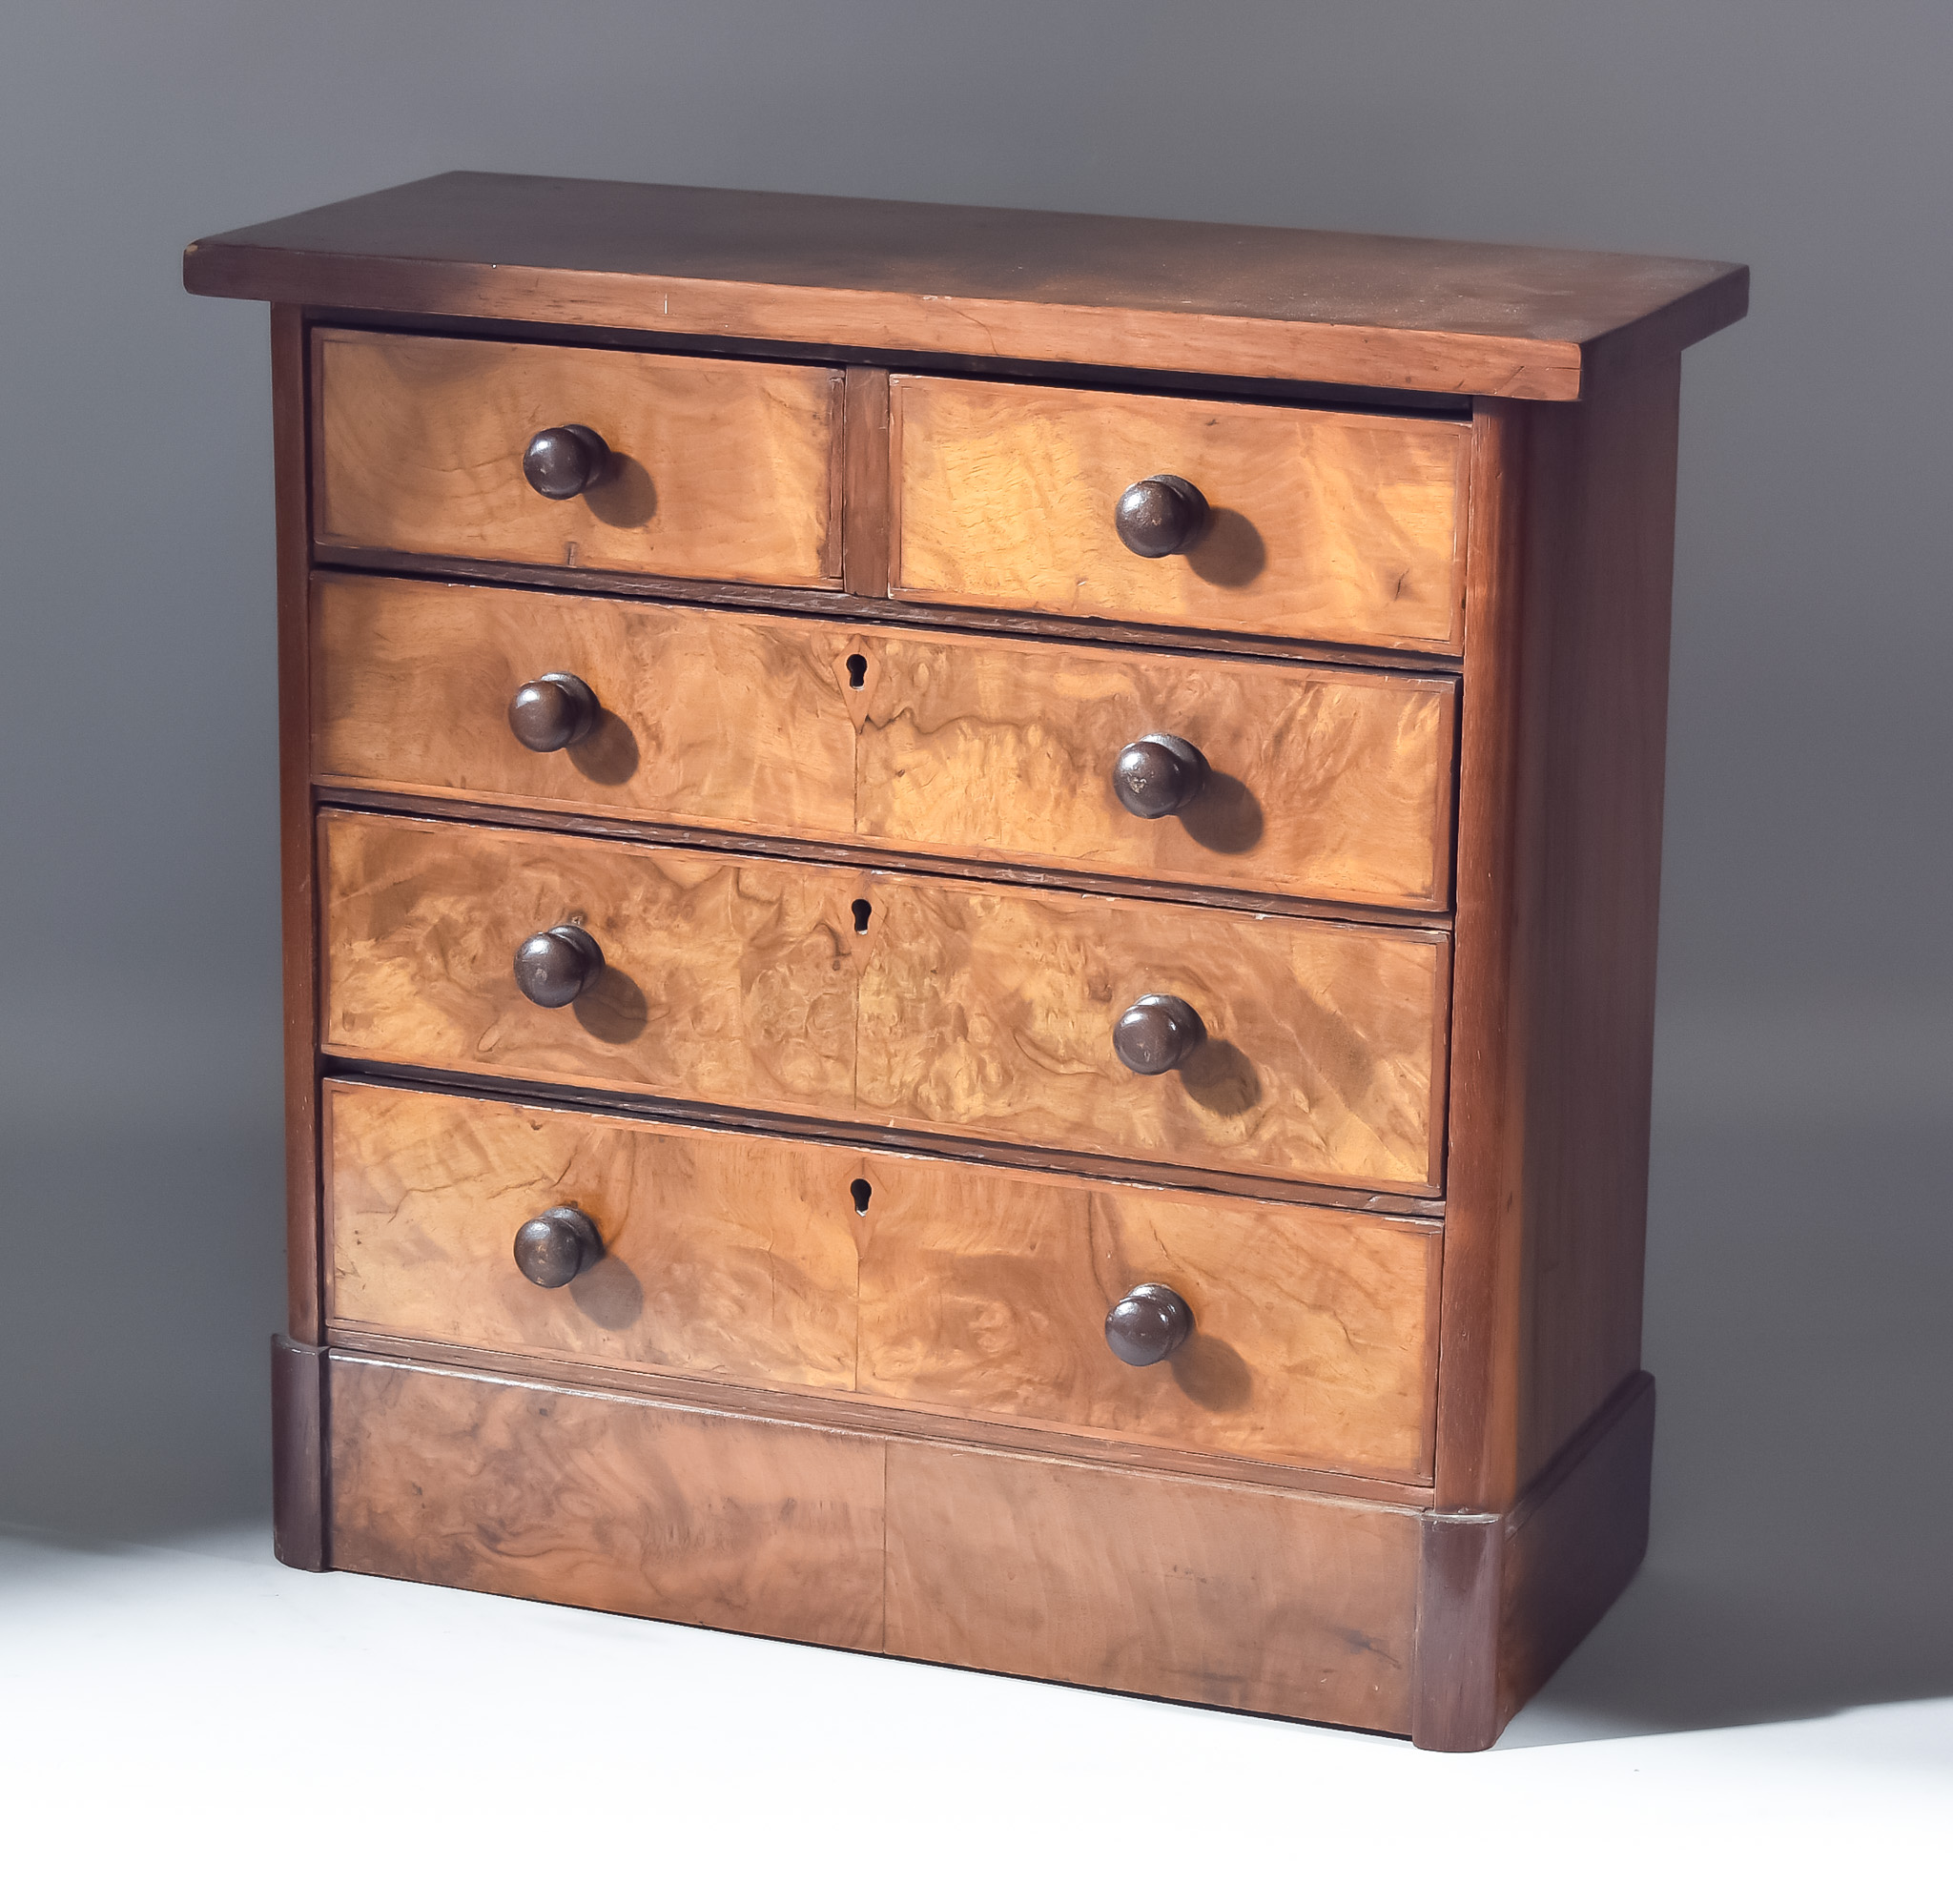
{"x": 970, "y": 922}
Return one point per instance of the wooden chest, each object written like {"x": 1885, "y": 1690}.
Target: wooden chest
{"x": 969, "y": 923}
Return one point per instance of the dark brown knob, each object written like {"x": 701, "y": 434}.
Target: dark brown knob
{"x": 1158, "y": 775}
{"x": 559, "y": 1245}
{"x": 1157, "y": 1033}
{"x": 552, "y": 711}
{"x": 1160, "y": 516}
{"x": 556, "y": 966}
{"x": 565, "y": 461}
{"x": 1146, "y": 1324}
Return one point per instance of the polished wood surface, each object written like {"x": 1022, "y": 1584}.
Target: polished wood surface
{"x": 1241, "y": 1597}
{"x": 724, "y": 1255}
{"x": 982, "y": 1292}
{"x": 1335, "y": 307}
{"x": 907, "y": 1003}
{"x": 1559, "y": 852}
{"x": 1330, "y": 782}
{"x": 298, "y": 1454}
{"x": 991, "y": 1011}
{"x": 726, "y": 981}
{"x": 606, "y": 1501}
{"x": 1313, "y": 1340}
{"x": 298, "y": 887}
{"x": 1325, "y": 524}
{"x": 717, "y": 468}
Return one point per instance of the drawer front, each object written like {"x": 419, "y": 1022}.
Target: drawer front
{"x": 724, "y": 1255}
{"x": 606, "y": 1501}
{"x": 725, "y": 980}
{"x": 913, "y": 1003}
{"x": 718, "y": 468}
{"x": 1322, "y": 525}
{"x": 1322, "y": 782}
{"x": 991, "y": 1012}
{"x": 985, "y": 1293}
{"x": 981, "y": 1292}
{"x": 1144, "y": 1583}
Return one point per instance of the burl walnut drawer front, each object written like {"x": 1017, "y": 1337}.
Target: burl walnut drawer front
{"x": 1310, "y": 525}
{"x": 1319, "y": 782}
{"x": 691, "y": 466}
{"x": 1289, "y": 1048}
{"x": 960, "y": 1288}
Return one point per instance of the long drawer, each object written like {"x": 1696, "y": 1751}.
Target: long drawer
{"x": 1332, "y": 782}
{"x": 961, "y": 1288}
{"x": 1244, "y": 1597}
{"x": 1311, "y": 1051}
{"x": 713, "y": 467}
{"x": 1320, "y": 524}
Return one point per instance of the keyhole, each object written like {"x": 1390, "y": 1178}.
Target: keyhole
{"x": 858, "y": 670}
{"x": 861, "y": 1190}
{"x": 862, "y": 909}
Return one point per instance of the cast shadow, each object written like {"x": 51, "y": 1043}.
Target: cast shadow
{"x": 1211, "y": 1374}
{"x": 609, "y": 754}
{"x": 1230, "y": 552}
{"x": 608, "y": 1294}
{"x": 1226, "y": 818}
{"x": 614, "y": 1010}
{"x": 1220, "y": 1077}
{"x": 626, "y": 498}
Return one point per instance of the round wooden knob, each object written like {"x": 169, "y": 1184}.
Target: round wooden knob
{"x": 1146, "y": 1324}
{"x": 1159, "y": 775}
{"x": 551, "y": 712}
{"x": 1160, "y": 516}
{"x": 557, "y": 966}
{"x": 558, "y": 1246}
{"x": 1157, "y": 1033}
{"x": 565, "y": 461}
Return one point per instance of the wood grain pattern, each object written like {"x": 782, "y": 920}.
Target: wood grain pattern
{"x": 986, "y": 1292}
{"x": 991, "y": 1011}
{"x": 724, "y": 1255}
{"x": 709, "y": 719}
{"x": 1328, "y": 525}
{"x": 983, "y": 1292}
{"x": 1409, "y": 314}
{"x": 1565, "y": 693}
{"x": 961, "y": 1007}
{"x": 1331, "y": 783}
{"x": 1184, "y": 1590}
{"x": 728, "y": 981}
{"x": 722, "y": 468}
{"x": 606, "y": 1501}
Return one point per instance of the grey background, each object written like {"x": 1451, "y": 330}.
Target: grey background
{"x": 1799, "y": 1275}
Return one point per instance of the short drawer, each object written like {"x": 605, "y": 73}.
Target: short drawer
{"x": 718, "y": 468}
{"x": 963, "y": 1289}
{"x": 1331, "y": 783}
{"x": 1318, "y": 525}
{"x": 910, "y": 1003}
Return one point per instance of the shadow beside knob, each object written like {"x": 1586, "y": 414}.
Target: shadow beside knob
{"x": 551, "y": 712}
{"x": 1159, "y": 775}
{"x": 557, "y": 966}
{"x": 1155, "y": 1033}
{"x": 1160, "y": 515}
{"x": 565, "y": 461}
{"x": 557, "y": 1247}
{"x": 1146, "y": 1324}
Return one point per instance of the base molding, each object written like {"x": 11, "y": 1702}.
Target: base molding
{"x": 1504, "y": 1598}
{"x": 298, "y": 1455}
{"x": 1295, "y": 1602}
